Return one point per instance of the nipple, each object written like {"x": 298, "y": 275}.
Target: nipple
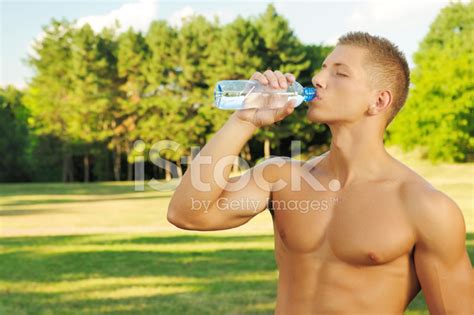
{"x": 373, "y": 257}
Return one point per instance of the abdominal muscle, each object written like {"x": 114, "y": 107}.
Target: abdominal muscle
{"x": 320, "y": 283}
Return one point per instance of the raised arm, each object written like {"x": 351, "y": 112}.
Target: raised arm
{"x": 198, "y": 202}
{"x": 441, "y": 260}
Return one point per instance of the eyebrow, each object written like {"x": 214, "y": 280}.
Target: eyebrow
{"x": 336, "y": 64}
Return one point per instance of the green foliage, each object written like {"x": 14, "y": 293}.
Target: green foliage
{"x": 438, "y": 115}
{"x": 14, "y": 140}
{"x": 95, "y": 92}
{"x": 48, "y": 96}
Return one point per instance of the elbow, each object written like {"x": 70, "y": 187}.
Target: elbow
{"x": 173, "y": 218}
{"x": 179, "y": 222}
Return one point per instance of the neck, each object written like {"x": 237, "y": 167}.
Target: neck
{"x": 357, "y": 152}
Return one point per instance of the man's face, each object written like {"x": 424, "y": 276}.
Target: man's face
{"x": 343, "y": 87}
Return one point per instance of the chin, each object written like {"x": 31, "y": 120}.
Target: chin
{"x": 314, "y": 115}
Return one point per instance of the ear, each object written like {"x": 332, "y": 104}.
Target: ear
{"x": 383, "y": 99}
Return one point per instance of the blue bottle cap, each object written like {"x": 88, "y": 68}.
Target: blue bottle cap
{"x": 309, "y": 94}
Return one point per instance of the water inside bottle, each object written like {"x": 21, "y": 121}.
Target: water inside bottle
{"x": 236, "y": 100}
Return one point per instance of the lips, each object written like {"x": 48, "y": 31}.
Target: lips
{"x": 317, "y": 98}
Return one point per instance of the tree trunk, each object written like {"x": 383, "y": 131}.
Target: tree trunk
{"x": 129, "y": 165}
{"x": 117, "y": 162}
{"x": 179, "y": 168}
{"x": 155, "y": 171}
{"x": 106, "y": 170}
{"x": 167, "y": 170}
{"x": 86, "y": 168}
{"x": 266, "y": 148}
{"x": 64, "y": 168}
{"x": 245, "y": 154}
{"x": 129, "y": 171}
{"x": 248, "y": 153}
{"x": 68, "y": 175}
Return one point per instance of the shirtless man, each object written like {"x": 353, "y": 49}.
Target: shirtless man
{"x": 376, "y": 235}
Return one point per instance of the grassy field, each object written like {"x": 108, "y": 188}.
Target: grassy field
{"x": 102, "y": 248}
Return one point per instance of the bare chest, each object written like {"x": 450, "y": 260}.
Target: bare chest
{"x": 360, "y": 227}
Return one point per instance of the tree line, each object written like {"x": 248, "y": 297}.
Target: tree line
{"x": 93, "y": 94}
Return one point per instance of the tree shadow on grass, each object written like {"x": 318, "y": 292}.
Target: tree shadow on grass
{"x": 192, "y": 238}
{"x": 26, "y": 202}
{"x": 221, "y": 281}
{"x": 99, "y": 188}
{"x": 200, "y": 282}
{"x": 20, "y": 212}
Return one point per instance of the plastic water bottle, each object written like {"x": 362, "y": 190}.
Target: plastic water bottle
{"x": 243, "y": 94}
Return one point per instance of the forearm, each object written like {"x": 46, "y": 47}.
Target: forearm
{"x": 228, "y": 141}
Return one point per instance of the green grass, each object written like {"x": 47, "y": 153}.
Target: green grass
{"x": 103, "y": 248}
{"x": 153, "y": 274}
{"x": 143, "y": 273}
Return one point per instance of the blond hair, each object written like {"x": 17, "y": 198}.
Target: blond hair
{"x": 386, "y": 64}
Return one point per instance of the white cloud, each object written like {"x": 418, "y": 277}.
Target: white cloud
{"x": 177, "y": 18}
{"x": 403, "y": 22}
{"x": 19, "y": 84}
{"x": 332, "y": 41}
{"x": 138, "y": 15}
{"x": 373, "y": 14}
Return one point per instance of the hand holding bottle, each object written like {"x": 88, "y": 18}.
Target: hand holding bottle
{"x": 267, "y": 114}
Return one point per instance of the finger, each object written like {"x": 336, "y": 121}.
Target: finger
{"x": 284, "y": 111}
{"x": 281, "y": 79}
{"x": 290, "y": 78}
{"x": 257, "y": 76}
{"x": 271, "y": 77}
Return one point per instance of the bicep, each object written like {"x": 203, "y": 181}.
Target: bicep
{"x": 243, "y": 197}
{"x": 447, "y": 284}
{"x": 442, "y": 264}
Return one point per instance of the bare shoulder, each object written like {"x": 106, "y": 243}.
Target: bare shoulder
{"x": 275, "y": 167}
{"x": 286, "y": 168}
{"x": 285, "y": 163}
{"x": 432, "y": 211}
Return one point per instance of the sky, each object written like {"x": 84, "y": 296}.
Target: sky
{"x": 314, "y": 22}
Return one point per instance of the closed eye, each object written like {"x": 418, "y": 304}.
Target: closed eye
{"x": 342, "y": 74}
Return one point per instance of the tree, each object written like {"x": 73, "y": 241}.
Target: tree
{"x": 189, "y": 95}
{"x": 95, "y": 92}
{"x": 281, "y": 51}
{"x": 164, "y": 111}
{"x": 131, "y": 65}
{"x": 14, "y": 142}
{"x": 92, "y": 94}
{"x": 235, "y": 55}
{"x": 438, "y": 115}
{"x": 49, "y": 94}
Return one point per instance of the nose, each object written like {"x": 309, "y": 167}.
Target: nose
{"x": 319, "y": 81}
